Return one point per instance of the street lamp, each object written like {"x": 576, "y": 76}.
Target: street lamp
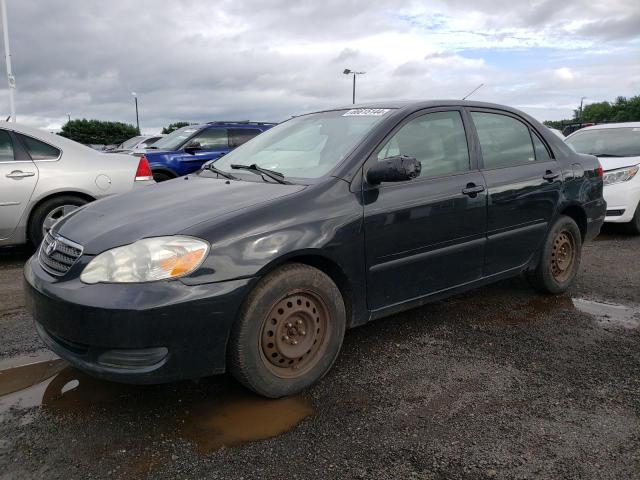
{"x": 135, "y": 97}
{"x": 351, "y": 72}
{"x": 581, "y": 103}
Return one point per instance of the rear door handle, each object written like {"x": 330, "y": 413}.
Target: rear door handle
{"x": 17, "y": 174}
{"x": 472, "y": 189}
{"x": 549, "y": 175}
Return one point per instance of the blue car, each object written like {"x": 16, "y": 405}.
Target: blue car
{"x": 185, "y": 150}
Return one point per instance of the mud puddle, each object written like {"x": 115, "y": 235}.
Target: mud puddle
{"x": 610, "y": 314}
{"x": 212, "y": 413}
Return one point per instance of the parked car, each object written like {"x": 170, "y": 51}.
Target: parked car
{"x": 574, "y": 127}
{"x": 185, "y": 150}
{"x": 45, "y": 176}
{"x": 557, "y": 132}
{"x": 259, "y": 262}
{"x": 617, "y": 146}
{"x": 136, "y": 143}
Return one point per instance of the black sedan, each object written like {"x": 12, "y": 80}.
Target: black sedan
{"x": 259, "y": 262}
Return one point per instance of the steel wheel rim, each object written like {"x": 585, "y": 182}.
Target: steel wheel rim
{"x": 295, "y": 334}
{"x": 563, "y": 256}
{"x": 54, "y": 215}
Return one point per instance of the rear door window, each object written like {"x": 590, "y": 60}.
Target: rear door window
{"x": 504, "y": 141}
{"x": 39, "y": 150}
{"x": 212, "y": 139}
{"x": 542, "y": 153}
{"x": 238, "y": 136}
{"x": 437, "y": 140}
{"x": 6, "y": 147}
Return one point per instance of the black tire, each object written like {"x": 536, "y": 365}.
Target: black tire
{"x": 633, "y": 227}
{"x": 549, "y": 275}
{"x": 42, "y": 211}
{"x": 258, "y": 355}
{"x": 162, "y": 176}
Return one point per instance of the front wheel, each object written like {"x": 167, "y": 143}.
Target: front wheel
{"x": 560, "y": 258}
{"x": 633, "y": 227}
{"x": 289, "y": 331}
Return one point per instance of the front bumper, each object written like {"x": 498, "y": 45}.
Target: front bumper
{"x": 136, "y": 333}
{"x": 622, "y": 200}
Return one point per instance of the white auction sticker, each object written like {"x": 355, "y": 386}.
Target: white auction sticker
{"x": 370, "y": 112}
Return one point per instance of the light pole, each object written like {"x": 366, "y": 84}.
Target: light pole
{"x": 135, "y": 97}
{"x": 68, "y": 117}
{"x": 581, "y": 103}
{"x": 7, "y": 54}
{"x": 351, "y": 72}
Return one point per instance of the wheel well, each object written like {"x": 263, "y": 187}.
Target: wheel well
{"x": 84, "y": 196}
{"x": 334, "y": 272}
{"x": 166, "y": 171}
{"x": 579, "y": 216}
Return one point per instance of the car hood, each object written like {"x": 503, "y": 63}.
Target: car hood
{"x": 166, "y": 208}
{"x": 612, "y": 163}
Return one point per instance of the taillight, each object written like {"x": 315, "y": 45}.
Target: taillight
{"x": 600, "y": 170}
{"x": 144, "y": 170}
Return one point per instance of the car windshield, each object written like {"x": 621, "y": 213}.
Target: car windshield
{"x": 175, "y": 138}
{"x": 309, "y": 146}
{"x": 130, "y": 143}
{"x": 615, "y": 142}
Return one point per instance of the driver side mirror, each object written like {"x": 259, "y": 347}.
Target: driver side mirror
{"x": 193, "y": 147}
{"x": 394, "y": 169}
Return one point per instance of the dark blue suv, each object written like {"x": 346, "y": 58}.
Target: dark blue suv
{"x": 187, "y": 149}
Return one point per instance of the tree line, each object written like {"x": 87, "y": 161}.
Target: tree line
{"x": 622, "y": 110}
{"x": 106, "y": 133}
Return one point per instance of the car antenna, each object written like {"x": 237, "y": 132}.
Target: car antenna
{"x": 473, "y": 91}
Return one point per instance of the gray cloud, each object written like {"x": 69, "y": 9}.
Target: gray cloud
{"x": 267, "y": 60}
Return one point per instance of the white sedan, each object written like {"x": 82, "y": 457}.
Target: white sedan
{"x": 617, "y": 146}
{"x": 44, "y": 176}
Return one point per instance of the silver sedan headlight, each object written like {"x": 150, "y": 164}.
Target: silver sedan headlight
{"x": 620, "y": 175}
{"x": 147, "y": 260}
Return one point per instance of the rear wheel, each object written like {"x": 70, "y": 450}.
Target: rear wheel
{"x": 289, "y": 331}
{"x": 633, "y": 227}
{"x": 560, "y": 258}
{"x": 48, "y": 213}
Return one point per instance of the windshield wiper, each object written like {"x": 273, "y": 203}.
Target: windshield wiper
{"x": 605, "y": 155}
{"x": 210, "y": 167}
{"x": 150, "y": 147}
{"x": 272, "y": 174}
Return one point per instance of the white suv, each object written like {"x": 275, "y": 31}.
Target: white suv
{"x": 617, "y": 146}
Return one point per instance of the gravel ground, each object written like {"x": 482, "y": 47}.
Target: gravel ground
{"x": 497, "y": 383}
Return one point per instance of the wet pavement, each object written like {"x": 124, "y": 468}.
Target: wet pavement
{"x": 496, "y": 383}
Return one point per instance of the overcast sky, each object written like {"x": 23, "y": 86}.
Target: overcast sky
{"x": 269, "y": 59}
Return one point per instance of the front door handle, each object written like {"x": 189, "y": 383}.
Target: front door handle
{"x": 472, "y": 189}
{"x": 549, "y": 175}
{"x": 18, "y": 174}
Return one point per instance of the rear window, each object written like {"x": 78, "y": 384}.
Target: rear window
{"x": 614, "y": 142}
{"x": 39, "y": 150}
{"x": 6, "y": 147}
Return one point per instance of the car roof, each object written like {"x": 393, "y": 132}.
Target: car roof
{"x": 422, "y": 104}
{"x": 611, "y": 125}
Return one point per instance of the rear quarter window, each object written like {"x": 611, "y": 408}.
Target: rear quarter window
{"x": 39, "y": 150}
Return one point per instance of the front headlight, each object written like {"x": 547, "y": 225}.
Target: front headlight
{"x": 147, "y": 260}
{"x": 620, "y": 175}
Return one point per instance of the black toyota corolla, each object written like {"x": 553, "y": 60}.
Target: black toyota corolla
{"x": 259, "y": 262}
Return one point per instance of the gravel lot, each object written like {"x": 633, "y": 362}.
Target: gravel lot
{"x": 497, "y": 383}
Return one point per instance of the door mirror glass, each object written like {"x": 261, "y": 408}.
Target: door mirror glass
{"x": 394, "y": 169}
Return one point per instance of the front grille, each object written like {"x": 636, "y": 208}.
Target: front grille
{"x": 57, "y": 254}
